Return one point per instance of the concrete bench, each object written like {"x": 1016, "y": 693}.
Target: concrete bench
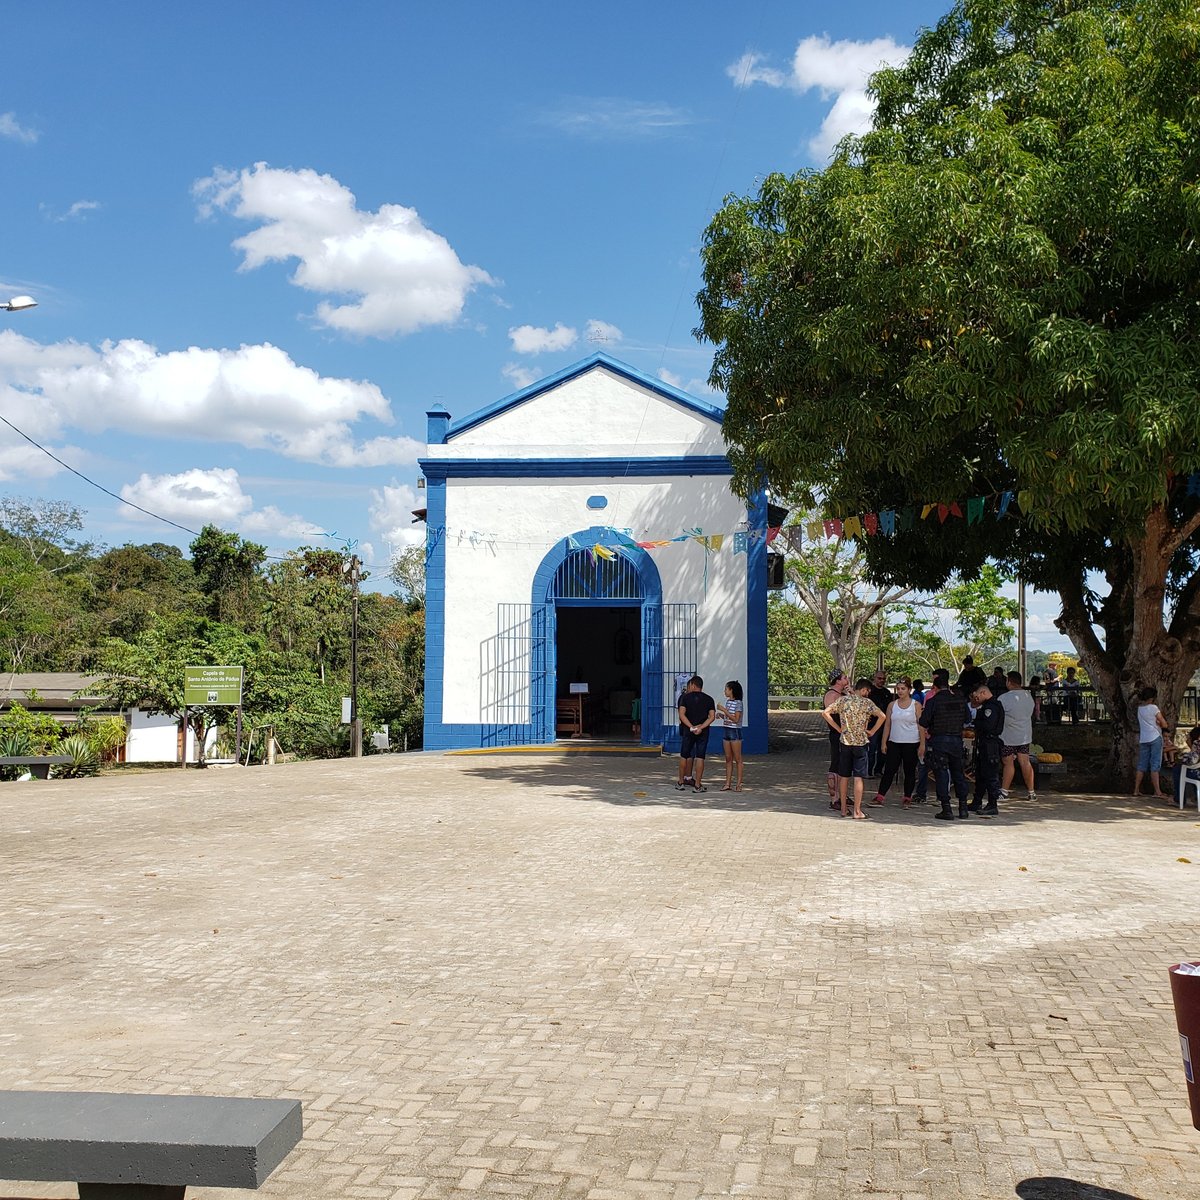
{"x": 775, "y": 703}
{"x": 39, "y": 764}
{"x": 129, "y": 1147}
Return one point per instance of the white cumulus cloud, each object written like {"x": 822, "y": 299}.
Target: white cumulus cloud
{"x": 196, "y": 497}
{"x": 839, "y": 71}
{"x": 11, "y": 128}
{"x": 405, "y": 276}
{"x": 213, "y": 496}
{"x": 391, "y": 514}
{"x": 269, "y": 522}
{"x": 254, "y": 396}
{"x": 531, "y": 339}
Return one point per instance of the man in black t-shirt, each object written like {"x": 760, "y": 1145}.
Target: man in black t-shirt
{"x": 696, "y": 713}
{"x": 969, "y": 678}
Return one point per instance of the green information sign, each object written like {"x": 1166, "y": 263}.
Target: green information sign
{"x": 212, "y": 685}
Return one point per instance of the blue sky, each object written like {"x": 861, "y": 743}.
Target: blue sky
{"x": 265, "y": 237}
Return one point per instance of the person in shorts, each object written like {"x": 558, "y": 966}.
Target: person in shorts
{"x": 1018, "y": 705}
{"x": 696, "y": 713}
{"x": 859, "y": 720}
{"x": 731, "y": 713}
{"x": 1151, "y": 724}
{"x": 839, "y": 685}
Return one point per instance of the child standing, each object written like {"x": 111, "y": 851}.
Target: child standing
{"x": 731, "y": 712}
{"x": 1151, "y": 724}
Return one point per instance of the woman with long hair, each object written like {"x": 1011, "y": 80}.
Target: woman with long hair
{"x": 902, "y": 742}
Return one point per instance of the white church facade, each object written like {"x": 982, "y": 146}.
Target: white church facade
{"x": 583, "y": 551}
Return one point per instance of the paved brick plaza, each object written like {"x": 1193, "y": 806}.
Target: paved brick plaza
{"x": 529, "y": 978}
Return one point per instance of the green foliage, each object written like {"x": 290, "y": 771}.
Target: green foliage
{"x": 969, "y": 617}
{"x": 833, "y": 581}
{"x": 137, "y": 615}
{"x": 106, "y": 735}
{"x": 997, "y": 288}
{"x": 228, "y": 573}
{"x": 85, "y": 758}
{"x": 13, "y": 744}
{"x": 39, "y": 731}
{"x": 797, "y": 654}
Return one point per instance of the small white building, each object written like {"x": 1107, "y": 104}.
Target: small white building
{"x": 66, "y": 695}
{"x": 583, "y": 551}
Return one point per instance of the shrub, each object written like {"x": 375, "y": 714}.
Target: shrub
{"x": 41, "y": 731}
{"x": 13, "y": 744}
{"x": 85, "y": 758}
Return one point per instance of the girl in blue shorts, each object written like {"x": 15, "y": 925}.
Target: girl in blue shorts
{"x": 731, "y": 712}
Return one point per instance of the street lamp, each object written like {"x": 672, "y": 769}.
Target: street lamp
{"x": 19, "y": 304}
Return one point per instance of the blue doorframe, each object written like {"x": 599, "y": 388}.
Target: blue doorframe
{"x": 650, "y": 586}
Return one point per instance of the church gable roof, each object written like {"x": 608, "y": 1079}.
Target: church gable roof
{"x": 683, "y": 404}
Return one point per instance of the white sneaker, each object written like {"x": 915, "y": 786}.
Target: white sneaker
{"x": 1003, "y": 794}
{"x": 1033, "y": 795}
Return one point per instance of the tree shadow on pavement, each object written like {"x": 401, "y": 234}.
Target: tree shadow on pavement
{"x": 1053, "y": 1187}
{"x": 791, "y": 778}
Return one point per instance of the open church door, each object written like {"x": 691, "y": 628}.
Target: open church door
{"x": 669, "y": 647}
{"x": 512, "y": 678}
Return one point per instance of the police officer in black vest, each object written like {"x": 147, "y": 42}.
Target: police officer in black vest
{"x": 989, "y": 725}
{"x": 943, "y": 718}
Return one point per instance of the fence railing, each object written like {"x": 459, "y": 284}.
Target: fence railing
{"x": 1091, "y": 707}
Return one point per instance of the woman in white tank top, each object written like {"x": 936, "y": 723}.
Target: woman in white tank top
{"x": 903, "y": 741}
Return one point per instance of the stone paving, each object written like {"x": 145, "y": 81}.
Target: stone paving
{"x": 515, "y": 977}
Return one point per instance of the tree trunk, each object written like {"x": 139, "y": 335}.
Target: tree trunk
{"x": 1153, "y": 654}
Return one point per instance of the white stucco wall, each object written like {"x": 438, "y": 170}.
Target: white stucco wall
{"x": 527, "y": 516}
{"x": 155, "y": 738}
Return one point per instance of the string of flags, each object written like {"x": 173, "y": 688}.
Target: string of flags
{"x": 886, "y": 522}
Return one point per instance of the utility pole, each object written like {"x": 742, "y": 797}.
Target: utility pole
{"x": 355, "y": 723}
{"x": 1021, "y": 648}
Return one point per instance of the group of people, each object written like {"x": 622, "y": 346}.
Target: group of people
{"x": 917, "y": 734}
{"x": 697, "y": 714}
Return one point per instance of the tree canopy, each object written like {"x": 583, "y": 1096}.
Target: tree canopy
{"x": 997, "y": 288}
{"x": 139, "y": 614}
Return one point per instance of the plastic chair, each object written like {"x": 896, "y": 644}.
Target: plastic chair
{"x": 1189, "y": 777}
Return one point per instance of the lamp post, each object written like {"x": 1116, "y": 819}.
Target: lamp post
{"x": 356, "y": 748}
{"x": 19, "y": 304}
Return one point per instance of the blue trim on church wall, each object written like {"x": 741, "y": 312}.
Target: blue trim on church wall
{"x": 573, "y": 468}
{"x": 438, "y": 736}
{"x": 651, "y": 584}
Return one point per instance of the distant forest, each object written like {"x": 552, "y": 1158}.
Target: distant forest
{"x": 138, "y": 614}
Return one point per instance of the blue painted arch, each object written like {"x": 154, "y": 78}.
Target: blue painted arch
{"x": 542, "y": 597}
